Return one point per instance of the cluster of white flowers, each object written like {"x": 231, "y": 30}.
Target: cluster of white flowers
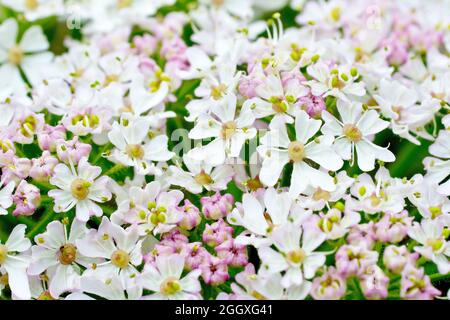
{"x": 196, "y": 150}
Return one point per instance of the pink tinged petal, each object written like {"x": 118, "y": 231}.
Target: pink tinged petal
{"x": 116, "y": 137}
{"x": 312, "y": 239}
{"x": 64, "y": 201}
{"x": 34, "y": 40}
{"x": 86, "y": 171}
{"x": 349, "y": 112}
{"x": 8, "y": 33}
{"x": 271, "y": 260}
{"x": 273, "y": 164}
{"x": 150, "y": 279}
{"x": 293, "y": 277}
{"x": 96, "y": 248}
{"x": 29, "y": 65}
{"x": 18, "y": 280}
{"x": 62, "y": 177}
{"x": 332, "y": 125}
{"x": 156, "y": 149}
{"x": 343, "y": 148}
{"x": 370, "y": 123}
{"x": 278, "y": 205}
{"x": 253, "y": 218}
{"x": 83, "y": 212}
{"x": 42, "y": 259}
{"x": 63, "y": 280}
{"x": 312, "y": 263}
{"x": 323, "y": 154}
{"x": 287, "y": 237}
{"x": 190, "y": 282}
{"x": 299, "y": 179}
{"x": 125, "y": 239}
{"x": 54, "y": 237}
{"x": 305, "y": 128}
{"x": 276, "y": 137}
{"x": 17, "y": 241}
{"x": 170, "y": 266}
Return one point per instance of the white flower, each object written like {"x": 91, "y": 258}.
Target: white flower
{"x": 15, "y": 261}
{"x": 79, "y": 188}
{"x": 295, "y": 257}
{"x": 354, "y": 131}
{"x": 384, "y": 195}
{"x": 152, "y": 209}
{"x": 431, "y": 204}
{"x": 340, "y": 83}
{"x": 134, "y": 149}
{"x": 430, "y": 234}
{"x": 276, "y": 98}
{"x": 30, "y": 54}
{"x": 120, "y": 248}
{"x": 438, "y": 169}
{"x": 36, "y": 9}
{"x": 6, "y": 200}
{"x": 201, "y": 175}
{"x": 398, "y": 103}
{"x": 229, "y": 130}
{"x": 56, "y": 253}
{"x": 261, "y": 218}
{"x": 164, "y": 279}
{"x": 110, "y": 289}
{"x": 277, "y": 150}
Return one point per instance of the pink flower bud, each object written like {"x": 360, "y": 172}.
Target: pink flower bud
{"x": 72, "y": 149}
{"x": 191, "y": 216}
{"x": 216, "y": 233}
{"x": 26, "y": 198}
{"x": 374, "y": 283}
{"x": 214, "y": 271}
{"x": 330, "y": 286}
{"x": 396, "y": 258}
{"x": 353, "y": 260}
{"x": 393, "y": 227}
{"x": 416, "y": 285}
{"x": 233, "y": 254}
{"x": 42, "y": 167}
{"x": 49, "y": 135}
{"x": 217, "y": 206}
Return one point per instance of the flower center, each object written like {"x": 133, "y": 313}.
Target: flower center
{"x": 3, "y": 253}
{"x": 45, "y": 296}
{"x": 278, "y": 105}
{"x": 296, "y": 151}
{"x": 31, "y": 4}
{"x": 121, "y": 4}
{"x": 218, "y": 92}
{"x": 135, "y": 151}
{"x": 4, "y": 280}
{"x": 320, "y": 194}
{"x": 435, "y": 244}
{"x": 435, "y": 212}
{"x": 120, "y": 259}
{"x": 228, "y": 129}
{"x": 170, "y": 286}
{"x": 15, "y": 55}
{"x": 67, "y": 254}
{"x": 254, "y": 184}
{"x": 80, "y": 189}
{"x": 352, "y": 133}
{"x": 203, "y": 179}
{"x": 296, "y": 256}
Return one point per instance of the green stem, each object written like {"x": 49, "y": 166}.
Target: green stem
{"x": 43, "y": 221}
{"x": 439, "y": 276}
{"x": 114, "y": 169}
